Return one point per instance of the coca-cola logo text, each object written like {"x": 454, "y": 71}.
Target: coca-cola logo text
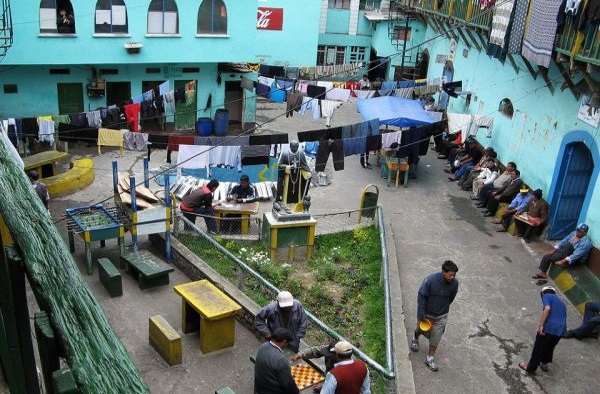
{"x": 269, "y": 18}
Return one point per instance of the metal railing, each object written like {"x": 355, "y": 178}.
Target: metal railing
{"x": 6, "y": 29}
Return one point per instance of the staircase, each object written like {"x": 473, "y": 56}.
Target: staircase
{"x": 6, "y": 29}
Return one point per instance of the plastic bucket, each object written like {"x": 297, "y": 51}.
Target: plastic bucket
{"x": 221, "y": 122}
{"x": 425, "y": 325}
{"x": 204, "y": 127}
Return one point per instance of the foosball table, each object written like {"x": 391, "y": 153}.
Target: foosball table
{"x": 95, "y": 223}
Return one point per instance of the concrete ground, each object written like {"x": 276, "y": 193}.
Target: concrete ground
{"x": 491, "y": 325}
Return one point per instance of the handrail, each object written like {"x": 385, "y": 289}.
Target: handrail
{"x": 388, "y": 371}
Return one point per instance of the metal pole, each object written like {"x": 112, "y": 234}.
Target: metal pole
{"x": 134, "y": 218}
{"x": 168, "y": 212}
{"x": 389, "y": 348}
{"x": 115, "y": 177}
{"x": 146, "y": 181}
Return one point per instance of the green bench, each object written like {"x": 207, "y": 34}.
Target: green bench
{"x": 110, "y": 277}
{"x": 147, "y": 272}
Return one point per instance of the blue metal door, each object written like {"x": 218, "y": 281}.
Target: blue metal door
{"x": 572, "y": 186}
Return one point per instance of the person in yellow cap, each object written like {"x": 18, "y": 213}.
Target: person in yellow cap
{"x": 516, "y": 205}
{"x": 348, "y": 376}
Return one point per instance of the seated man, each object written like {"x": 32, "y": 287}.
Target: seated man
{"x": 536, "y": 210}
{"x": 572, "y": 250}
{"x": 199, "y": 202}
{"x": 472, "y": 158}
{"x": 591, "y": 322}
{"x": 504, "y": 194}
{"x": 245, "y": 192}
{"x": 487, "y": 161}
{"x": 487, "y": 176}
{"x": 516, "y": 205}
{"x": 486, "y": 190}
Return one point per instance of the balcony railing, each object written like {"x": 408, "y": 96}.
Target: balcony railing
{"x": 6, "y": 30}
{"x": 581, "y": 45}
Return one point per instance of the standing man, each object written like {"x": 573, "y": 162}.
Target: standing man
{"x": 199, "y": 202}
{"x": 348, "y": 376}
{"x": 435, "y": 296}
{"x": 553, "y": 325}
{"x": 572, "y": 250}
{"x": 272, "y": 373}
{"x": 40, "y": 188}
{"x": 287, "y": 313}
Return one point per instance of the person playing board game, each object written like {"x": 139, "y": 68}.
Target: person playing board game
{"x": 272, "y": 374}
{"x": 348, "y": 376}
{"x": 317, "y": 352}
{"x": 285, "y": 312}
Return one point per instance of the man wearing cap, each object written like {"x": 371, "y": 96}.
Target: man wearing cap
{"x": 553, "y": 325}
{"x": 535, "y": 212}
{"x": 287, "y": 313}
{"x": 272, "y": 374}
{"x": 572, "y": 250}
{"x": 516, "y": 205}
{"x": 313, "y": 352}
{"x": 435, "y": 295}
{"x": 348, "y": 376}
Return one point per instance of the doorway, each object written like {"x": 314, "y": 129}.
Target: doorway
{"x": 185, "y": 117}
{"x": 70, "y": 98}
{"x": 572, "y": 184}
{"x": 234, "y": 100}
{"x": 117, "y": 92}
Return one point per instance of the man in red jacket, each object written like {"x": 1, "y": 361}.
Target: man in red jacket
{"x": 199, "y": 202}
{"x": 348, "y": 376}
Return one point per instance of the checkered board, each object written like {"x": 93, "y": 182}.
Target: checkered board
{"x": 305, "y": 375}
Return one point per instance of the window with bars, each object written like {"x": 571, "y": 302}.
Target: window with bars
{"x": 111, "y": 17}
{"x": 340, "y": 4}
{"x": 212, "y": 17}
{"x": 402, "y": 33}
{"x": 369, "y": 5}
{"x": 330, "y": 55}
{"x": 56, "y": 16}
{"x": 357, "y": 54}
{"x": 163, "y": 17}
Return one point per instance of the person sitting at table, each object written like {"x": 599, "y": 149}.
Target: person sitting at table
{"x": 244, "y": 192}
{"x": 199, "y": 202}
{"x": 537, "y": 211}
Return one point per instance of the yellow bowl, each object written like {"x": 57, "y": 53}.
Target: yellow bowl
{"x": 425, "y": 325}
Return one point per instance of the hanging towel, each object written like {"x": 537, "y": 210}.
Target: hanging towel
{"x": 541, "y": 30}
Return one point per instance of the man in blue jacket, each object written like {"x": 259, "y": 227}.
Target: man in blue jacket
{"x": 572, "y": 250}
{"x": 287, "y": 313}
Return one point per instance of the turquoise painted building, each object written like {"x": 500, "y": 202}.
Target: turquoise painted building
{"x": 102, "y": 52}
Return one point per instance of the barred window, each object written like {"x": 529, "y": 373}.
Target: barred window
{"x": 111, "y": 16}
{"x": 163, "y": 17}
{"x": 357, "y": 54}
{"x": 212, "y": 17}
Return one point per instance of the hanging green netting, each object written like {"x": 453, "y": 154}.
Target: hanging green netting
{"x": 99, "y": 361}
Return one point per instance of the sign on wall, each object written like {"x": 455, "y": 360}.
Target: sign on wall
{"x": 269, "y": 18}
{"x": 589, "y": 115}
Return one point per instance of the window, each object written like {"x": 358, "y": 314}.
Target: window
{"x": 111, "y": 16}
{"x": 402, "y": 33}
{"x": 357, "y": 54}
{"x": 330, "y": 55}
{"x": 10, "y": 89}
{"x": 162, "y": 17}
{"x": 506, "y": 108}
{"x": 212, "y": 17}
{"x": 59, "y": 71}
{"x": 341, "y": 4}
{"x": 56, "y": 16}
{"x": 369, "y": 5}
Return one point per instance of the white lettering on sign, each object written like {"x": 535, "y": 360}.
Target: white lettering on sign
{"x": 263, "y": 19}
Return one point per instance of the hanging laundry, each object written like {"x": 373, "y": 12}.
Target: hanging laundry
{"x": 538, "y": 43}
{"x": 149, "y": 95}
{"x": 482, "y": 121}
{"x": 164, "y": 87}
{"x": 276, "y": 94}
{"x": 94, "y": 119}
{"x": 315, "y": 91}
{"x": 11, "y": 149}
{"x": 328, "y": 108}
{"x": 46, "y": 130}
{"x": 338, "y": 94}
{"x": 137, "y": 99}
{"x": 193, "y": 156}
{"x": 226, "y": 155}
{"x": 269, "y": 139}
{"x": 336, "y": 147}
{"x": 500, "y": 24}
{"x": 294, "y": 102}
{"x": 132, "y": 114}
{"x": 255, "y": 154}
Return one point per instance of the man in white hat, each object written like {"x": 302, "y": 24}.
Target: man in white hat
{"x": 287, "y": 313}
{"x": 348, "y": 376}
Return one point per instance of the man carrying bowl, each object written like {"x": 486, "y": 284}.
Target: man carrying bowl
{"x": 435, "y": 295}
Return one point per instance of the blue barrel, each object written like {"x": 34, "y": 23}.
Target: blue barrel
{"x": 204, "y": 127}
{"x": 221, "y": 122}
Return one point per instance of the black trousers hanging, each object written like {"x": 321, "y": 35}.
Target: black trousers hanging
{"x": 336, "y": 147}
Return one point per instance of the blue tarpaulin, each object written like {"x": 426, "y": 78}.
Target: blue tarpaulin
{"x": 394, "y": 111}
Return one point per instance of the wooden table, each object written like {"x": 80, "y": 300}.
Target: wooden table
{"x": 206, "y": 308}
{"x": 292, "y": 233}
{"x": 43, "y": 162}
{"x": 234, "y": 208}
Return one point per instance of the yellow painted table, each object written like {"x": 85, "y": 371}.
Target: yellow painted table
{"x": 292, "y": 233}
{"x": 206, "y": 308}
{"x": 234, "y": 208}
{"x": 43, "y": 162}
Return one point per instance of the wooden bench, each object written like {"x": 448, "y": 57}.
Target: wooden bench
{"x": 224, "y": 390}
{"x": 77, "y": 178}
{"x": 147, "y": 272}
{"x": 110, "y": 277}
{"x": 394, "y": 165}
{"x": 165, "y": 340}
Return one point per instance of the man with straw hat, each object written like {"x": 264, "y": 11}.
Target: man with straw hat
{"x": 435, "y": 295}
{"x": 348, "y": 376}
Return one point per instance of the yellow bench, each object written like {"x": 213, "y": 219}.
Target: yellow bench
{"x": 165, "y": 339}
{"x": 80, "y": 176}
{"x": 206, "y": 308}
{"x": 43, "y": 162}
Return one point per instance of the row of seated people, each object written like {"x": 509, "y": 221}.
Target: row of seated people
{"x": 479, "y": 172}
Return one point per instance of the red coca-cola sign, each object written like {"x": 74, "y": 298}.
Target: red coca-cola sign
{"x": 269, "y": 18}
